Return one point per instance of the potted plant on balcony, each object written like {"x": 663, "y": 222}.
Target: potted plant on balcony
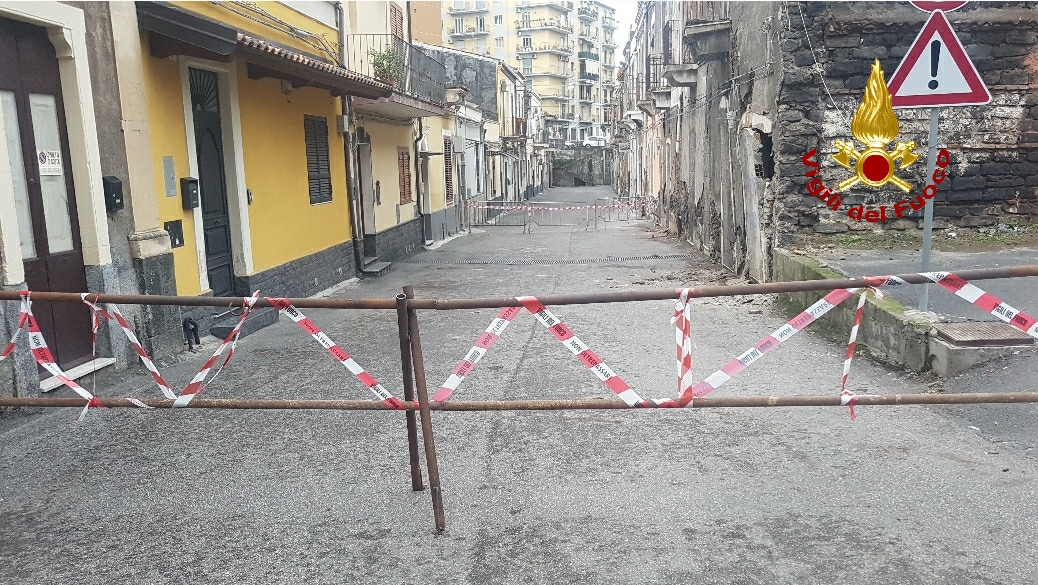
{"x": 385, "y": 65}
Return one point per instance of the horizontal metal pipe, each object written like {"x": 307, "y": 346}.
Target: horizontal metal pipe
{"x": 579, "y": 404}
{"x": 657, "y": 294}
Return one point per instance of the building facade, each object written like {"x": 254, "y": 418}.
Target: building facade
{"x": 719, "y": 103}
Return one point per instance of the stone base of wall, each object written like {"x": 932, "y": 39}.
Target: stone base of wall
{"x": 18, "y": 373}
{"x": 399, "y": 241}
{"x": 161, "y": 331}
{"x": 442, "y": 224}
{"x": 304, "y": 276}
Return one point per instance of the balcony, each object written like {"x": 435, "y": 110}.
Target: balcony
{"x": 585, "y": 100}
{"x": 549, "y": 72}
{"x": 419, "y": 81}
{"x": 587, "y": 55}
{"x": 557, "y": 49}
{"x": 468, "y": 8}
{"x": 554, "y": 97}
{"x": 588, "y": 77}
{"x": 588, "y": 36}
{"x": 609, "y": 22}
{"x": 543, "y": 24}
{"x": 560, "y": 5}
{"x": 587, "y": 13}
{"x": 470, "y": 31}
{"x": 609, "y": 44}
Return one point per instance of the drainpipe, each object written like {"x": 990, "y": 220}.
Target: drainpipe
{"x": 352, "y": 191}
{"x": 419, "y": 187}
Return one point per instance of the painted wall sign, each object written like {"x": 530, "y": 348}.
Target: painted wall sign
{"x": 936, "y": 71}
{"x": 50, "y": 162}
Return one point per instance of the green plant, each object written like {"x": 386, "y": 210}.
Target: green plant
{"x": 385, "y": 64}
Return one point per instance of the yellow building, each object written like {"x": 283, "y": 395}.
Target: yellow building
{"x": 250, "y": 171}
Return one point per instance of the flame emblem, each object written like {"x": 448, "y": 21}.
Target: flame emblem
{"x": 875, "y": 125}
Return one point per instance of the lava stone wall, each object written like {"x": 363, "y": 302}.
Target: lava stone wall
{"x": 827, "y": 52}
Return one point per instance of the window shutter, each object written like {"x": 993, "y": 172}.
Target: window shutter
{"x": 318, "y": 163}
{"x": 448, "y": 169}
{"x": 403, "y": 157}
{"x": 396, "y": 21}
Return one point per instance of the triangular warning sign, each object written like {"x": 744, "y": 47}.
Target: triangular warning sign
{"x": 936, "y": 71}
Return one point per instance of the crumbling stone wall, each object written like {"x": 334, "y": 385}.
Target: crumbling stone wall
{"x": 994, "y": 148}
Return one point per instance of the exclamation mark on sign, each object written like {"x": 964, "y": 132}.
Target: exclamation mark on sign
{"x": 935, "y": 57}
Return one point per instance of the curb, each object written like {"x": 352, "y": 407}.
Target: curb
{"x": 890, "y": 333}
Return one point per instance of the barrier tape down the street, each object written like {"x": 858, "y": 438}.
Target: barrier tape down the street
{"x": 985, "y": 301}
{"x": 337, "y": 352}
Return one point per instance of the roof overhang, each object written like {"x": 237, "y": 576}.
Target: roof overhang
{"x": 173, "y": 31}
{"x": 398, "y": 106}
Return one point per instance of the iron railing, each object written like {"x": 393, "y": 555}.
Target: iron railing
{"x": 396, "y": 61}
{"x": 588, "y": 55}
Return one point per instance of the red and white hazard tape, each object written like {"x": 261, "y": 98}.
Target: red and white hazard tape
{"x": 540, "y": 208}
{"x": 97, "y": 313}
{"x": 198, "y": 383}
{"x": 482, "y": 346}
{"x": 985, "y": 301}
{"x": 337, "y": 352}
{"x": 41, "y": 353}
{"x": 682, "y": 322}
{"x": 732, "y": 368}
{"x": 575, "y": 345}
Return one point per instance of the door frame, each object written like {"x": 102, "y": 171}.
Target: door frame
{"x": 67, "y": 32}
{"x": 234, "y": 166}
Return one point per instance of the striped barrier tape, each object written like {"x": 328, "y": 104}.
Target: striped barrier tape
{"x": 23, "y": 318}
{"x": 337, "y": 352}
{"x": 198, "y": 383}
{"x": 97, "y": 313}
{"x": 539, "y": 208}
{"x": 482, "y": 346}
{"x": 682, "y": 322}
{"x": 41, "y": 353}
{"x": 769, "y": 343}
{"x": 579, "y": 349}
{"x": 985, "y": 301}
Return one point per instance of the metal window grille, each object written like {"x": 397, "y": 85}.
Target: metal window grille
{"x": 448, "y": 169}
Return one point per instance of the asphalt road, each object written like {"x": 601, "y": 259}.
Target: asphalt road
{"x": 902, "y": 495}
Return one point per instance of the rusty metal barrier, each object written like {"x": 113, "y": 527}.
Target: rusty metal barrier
{"x": 416, "y": 395}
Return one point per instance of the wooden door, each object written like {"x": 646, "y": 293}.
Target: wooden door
{"x": 33, "y": 124}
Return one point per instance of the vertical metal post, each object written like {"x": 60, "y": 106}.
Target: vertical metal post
{"x": 426, "y": 415}
{"x": 408, "y": 372}
{"x": 931, "y": 163}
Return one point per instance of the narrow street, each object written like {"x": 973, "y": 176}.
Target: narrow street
{"x": 902, "y": 494}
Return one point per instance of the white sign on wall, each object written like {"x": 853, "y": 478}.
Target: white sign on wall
{"x": 50, "y": 162}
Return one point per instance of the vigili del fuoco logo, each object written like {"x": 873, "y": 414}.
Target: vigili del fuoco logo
{"x": 876, "y": 126}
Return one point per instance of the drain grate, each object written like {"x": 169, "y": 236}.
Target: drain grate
{"x": 982, "y": 334}
{"x": 549, "y": 261}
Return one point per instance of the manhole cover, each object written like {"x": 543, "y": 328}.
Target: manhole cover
{"x": 982, "y": 334}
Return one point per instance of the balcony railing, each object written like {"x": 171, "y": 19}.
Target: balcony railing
{"x": 543, "y": 23}
{"x": 468, "y": 7}
{"x": 587, "y": 55}
{"x": 587, "y": 35}
{"x": 395, "y": 61}
{"x": 469, "y": 31}
{"x": 587, "y": 12}
{"x": 545, "y": 48}
{"x": 584, "y": 76}
{"x": 608, "y": 22}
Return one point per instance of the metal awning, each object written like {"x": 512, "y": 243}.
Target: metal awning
{"x": 173, "y": 31}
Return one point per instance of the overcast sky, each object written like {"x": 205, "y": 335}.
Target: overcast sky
{"x": 625, "y": 13}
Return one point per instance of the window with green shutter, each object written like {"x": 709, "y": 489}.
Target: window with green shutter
{"x": 318, "y": 164}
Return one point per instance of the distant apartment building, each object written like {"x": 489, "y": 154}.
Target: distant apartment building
{"x": 566, "y": 51}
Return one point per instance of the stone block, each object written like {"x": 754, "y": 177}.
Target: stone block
{"x": 939, "y": 223}
{"x": 1006, "y": 50}
{"x": 962, "y": 183}
{"x": 870, "y": 52}
{"x": 965, "y": 195}
{"x": 950, "y": 211}
{"x": 1016, "y": 77}
{"x": 791, "y": 116}
{"x": 803, "y": 58}
{"x": 900, "y": 224}
{"x": 977, "y": 220}
{"x": 1020, "y": 36}
{"x": 999, "y": 193}
{"x": 843, "y": 41}
{"x": 1005, "y": 181}
{"x": 830, "y": 228}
